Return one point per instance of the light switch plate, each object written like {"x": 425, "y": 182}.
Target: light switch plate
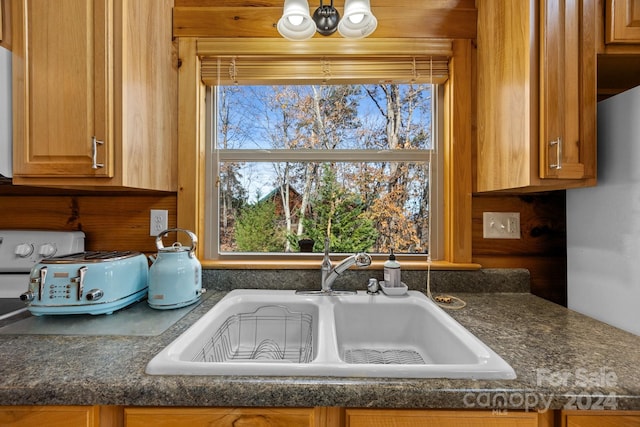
{"x": 501, "y": 225}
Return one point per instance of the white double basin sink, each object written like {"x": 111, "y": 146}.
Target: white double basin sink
{"x": 280, "y": 333}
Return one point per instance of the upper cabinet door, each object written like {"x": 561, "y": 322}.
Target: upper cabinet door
{"x": 622, "y": 21}
{"x": 61, "y": 103}
{"x": 536, "y": 95}
{"x": 95, "y": 86}
{"x": 567, "y": 85}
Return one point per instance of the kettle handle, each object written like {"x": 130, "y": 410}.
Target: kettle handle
{"x": 192, "y": 236}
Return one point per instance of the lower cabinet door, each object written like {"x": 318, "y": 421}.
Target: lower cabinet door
{"x": 220, "y": 417}
{"x": 426, "y": 418}
{"x": 50, "y": 416}
{"x": 591, "y": 418}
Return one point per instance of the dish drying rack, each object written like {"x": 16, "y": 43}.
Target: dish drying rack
{"x": 383, "y": 357}
{"x": 271, "y": 333}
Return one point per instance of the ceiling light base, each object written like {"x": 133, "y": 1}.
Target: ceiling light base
{"x": 326, "y": 19}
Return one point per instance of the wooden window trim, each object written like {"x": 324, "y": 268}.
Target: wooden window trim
{"x": 457, "y": 161}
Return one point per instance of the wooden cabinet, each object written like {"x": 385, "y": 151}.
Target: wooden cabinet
{"x": 5, "y": 24}
{"x": 115, "y": 416}
{"x": 622, "y": 21}
{"x": 436, "y": 418}
{"x": 325, "y": 417}
{"x": 95, "y": 94}
{"x": 1, "y": 21}
{"x": 50, "y": 416}
{"x": 605, "y": 418}
{"x": 618, "y": 46}
{"x": 224, "y": 417}
{"x": 536, "y": 102}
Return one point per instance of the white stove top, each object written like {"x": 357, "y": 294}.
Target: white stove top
{"x": 20, "y": 250}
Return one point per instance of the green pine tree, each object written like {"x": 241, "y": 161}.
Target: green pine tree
{"x": 339, "y": 214}
{"x": 257, "y": 229}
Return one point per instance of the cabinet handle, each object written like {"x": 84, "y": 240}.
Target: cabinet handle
{"x": 94, "y": 152}
{"x": 558, "y": 164}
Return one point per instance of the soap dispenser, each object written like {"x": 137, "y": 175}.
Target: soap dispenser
{"x": 392, "y": 272}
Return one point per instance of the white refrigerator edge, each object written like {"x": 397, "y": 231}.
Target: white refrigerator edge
{"x": 603, "y": 222}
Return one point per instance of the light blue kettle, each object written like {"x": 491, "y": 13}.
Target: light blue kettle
{"x": 175, "y": 276}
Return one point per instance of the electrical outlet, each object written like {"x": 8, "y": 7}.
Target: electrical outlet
{"x": 159, "y": 221}
{"x": 501, "y": 225}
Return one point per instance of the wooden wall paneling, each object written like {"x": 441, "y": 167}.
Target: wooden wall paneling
{"x": 191, "y": 141}
{"x": 110, "y": 222}
{"x": 542, "y": 224}
{"x": 410, "y": 19}
{"x": 617, "y": 73}
{"x": 458, "y": 181}
{"x": 548, "y": 274}
{"x": 541, "y": 248}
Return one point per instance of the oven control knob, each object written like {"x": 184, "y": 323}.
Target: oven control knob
{"x": 47, "y": 250}
{"x": 24, "y": 250}
{"x": 95, "y": 294}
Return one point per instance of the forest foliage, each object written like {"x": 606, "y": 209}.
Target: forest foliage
{"x": 360, "y": 205}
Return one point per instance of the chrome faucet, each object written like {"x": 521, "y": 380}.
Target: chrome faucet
{"x": 330, "y": 273}
{"x": 326, "y": 268}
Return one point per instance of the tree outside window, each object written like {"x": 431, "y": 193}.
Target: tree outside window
{"x": 348, "y": 162}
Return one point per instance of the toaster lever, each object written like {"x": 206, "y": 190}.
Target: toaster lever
{"x": 80, "y": 281}
{"x": 43, "y": 275}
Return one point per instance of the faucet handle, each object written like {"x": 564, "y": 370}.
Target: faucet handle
{"x": 363, "y": 259}
{"x": 327, "y": 244}
{"x": 373, "y": 287}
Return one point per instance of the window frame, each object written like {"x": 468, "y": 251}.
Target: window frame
{"x": 212, "y": 209}
{"x": 457, "y": 151}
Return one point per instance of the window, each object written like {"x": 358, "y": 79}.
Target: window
{"x": 200, "y": 60}
{"x": 291, "y": 164}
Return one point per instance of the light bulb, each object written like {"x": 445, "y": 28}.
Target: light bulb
{"x": 356, "y": 18}
{"x": 296, "y": 19}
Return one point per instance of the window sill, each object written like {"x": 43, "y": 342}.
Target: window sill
{"x": 305, "y": 264}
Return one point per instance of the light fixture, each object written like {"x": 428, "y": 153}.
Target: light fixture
{"x": 297, "y": 24}
{"x": 326, "y": 19}
{"x": 358, "y": 21}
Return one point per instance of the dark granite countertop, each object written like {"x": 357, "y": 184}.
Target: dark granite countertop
{"x": 560, "y": 357}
